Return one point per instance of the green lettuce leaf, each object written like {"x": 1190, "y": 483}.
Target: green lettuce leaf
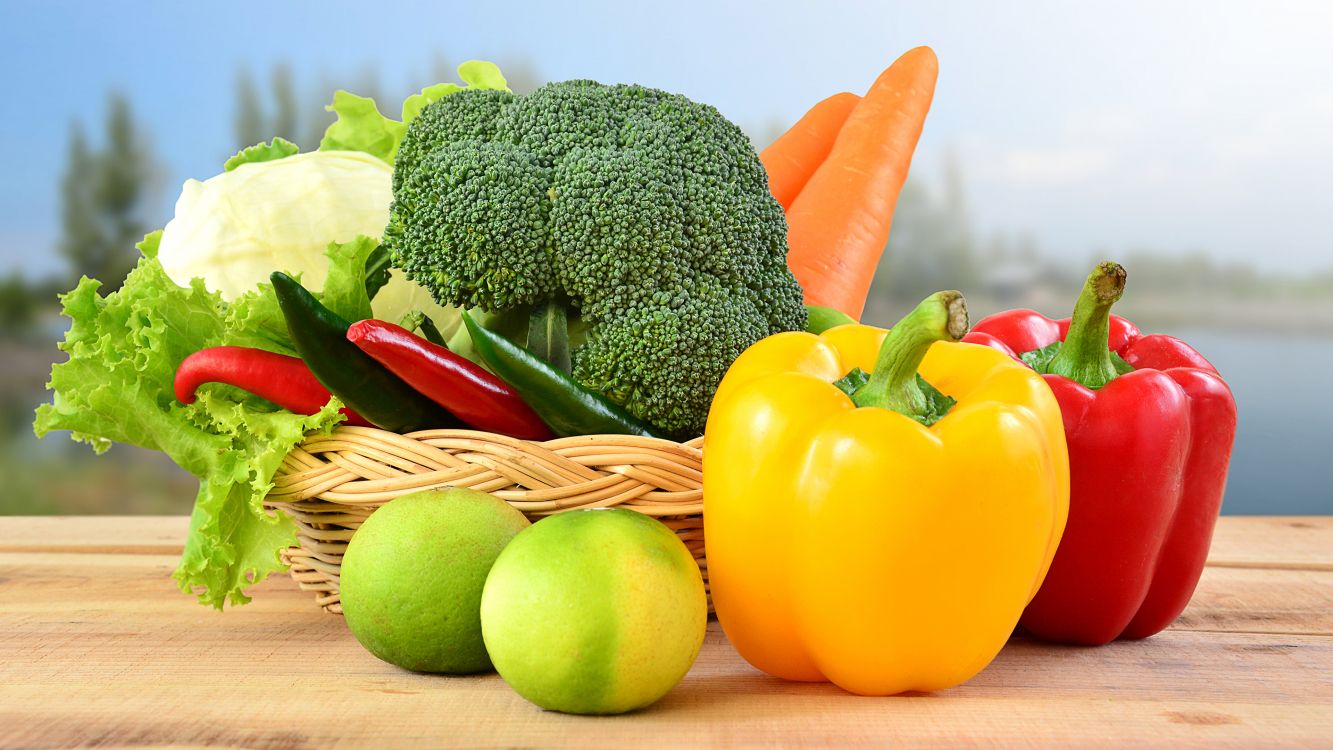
{"x": 482, "y": 75}
{"x": 117, "y": 387}
{"x": 233, "y": 541}
{"x": 361, "y": 127}
{"x": 278, "y": 148}
{"x": 256, "y": 321}
{"x": 345, "y": 288}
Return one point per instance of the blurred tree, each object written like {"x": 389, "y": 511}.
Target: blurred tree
{"x": 252, "y": 122}
{"x": 104, "y": 196}
{"x": 17, "y": 306}
{"x": 367, "y": 84}
{"x": 248, "y": 122}
{"x": 931, "y": 247}
{"x": 520, "y": 73}
{"x": 441, "y": 69}
{"x": 81, "y": 235}
{"x": 303, "y": 119}
{"x": 285, "y": 109}
{"x": 314, "y": 118}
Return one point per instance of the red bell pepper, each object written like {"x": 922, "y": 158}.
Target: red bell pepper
{"x": 1150, "y": 426}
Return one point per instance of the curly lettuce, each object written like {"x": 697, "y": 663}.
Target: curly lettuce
{"x": 124, "y": 348}
{"x": 278, "y": 148}
{"x": 116, "y": 386}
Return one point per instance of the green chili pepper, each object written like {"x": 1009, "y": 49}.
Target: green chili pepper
{"x": 320, "y": 336}
{"x": 563, "y": 404}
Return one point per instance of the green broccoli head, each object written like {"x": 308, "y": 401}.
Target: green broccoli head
{"x": 648, "y": 212}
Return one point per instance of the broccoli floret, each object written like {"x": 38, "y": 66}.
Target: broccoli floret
{"x": 648, "y": 213}
{"x": 449, "y": 119}
{"x": 665, "y": 358}
{"x": 476, "y": 213}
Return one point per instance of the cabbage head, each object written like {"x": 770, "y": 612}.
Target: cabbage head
{"x": 235, "y": 229}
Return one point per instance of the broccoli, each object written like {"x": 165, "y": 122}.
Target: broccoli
{"x": 646, "y": 213}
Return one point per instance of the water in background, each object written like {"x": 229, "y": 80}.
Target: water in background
{"x": 1283, "y": 460}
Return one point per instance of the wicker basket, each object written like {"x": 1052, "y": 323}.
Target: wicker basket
{"x": 330, "y": 483}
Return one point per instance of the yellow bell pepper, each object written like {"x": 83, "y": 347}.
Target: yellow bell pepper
{"x": 849, "y": 542}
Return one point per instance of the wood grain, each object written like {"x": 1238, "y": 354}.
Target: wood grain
{"x": 97, "y": 647}
{"x": 89, "y": 534}
{"x": 1302, "y": 542}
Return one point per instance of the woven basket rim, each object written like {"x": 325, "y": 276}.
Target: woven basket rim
{"x": 330, "y": 483}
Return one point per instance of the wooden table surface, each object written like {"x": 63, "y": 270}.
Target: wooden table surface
{"x": 97, "y": 648}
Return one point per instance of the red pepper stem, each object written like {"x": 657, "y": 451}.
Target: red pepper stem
{"x": 893, "y": 385}
{"x": 1085, "y": 357}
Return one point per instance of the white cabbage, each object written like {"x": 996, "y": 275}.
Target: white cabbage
{"x": 235, "y": 229}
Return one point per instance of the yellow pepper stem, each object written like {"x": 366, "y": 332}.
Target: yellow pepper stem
{"x": 940, "y": 317}
{"x": 1084, "y": 357}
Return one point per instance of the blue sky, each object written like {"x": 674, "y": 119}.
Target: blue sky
{"x": 1099, "y": 128}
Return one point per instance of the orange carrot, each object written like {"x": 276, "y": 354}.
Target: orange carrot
{"x": 839, "y": 223}
{"x": 797, "y": 153}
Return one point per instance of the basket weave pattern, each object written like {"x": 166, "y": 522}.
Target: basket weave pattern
{"x": 331, "y": 483}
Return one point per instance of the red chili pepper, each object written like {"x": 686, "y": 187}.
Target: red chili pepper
{"x": 286, "y": 381}
{"x": 469, "y": 392}
{"x": 1148, "y": 455}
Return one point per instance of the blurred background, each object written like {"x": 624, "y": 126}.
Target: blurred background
{"x": 1192, "y": 142}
